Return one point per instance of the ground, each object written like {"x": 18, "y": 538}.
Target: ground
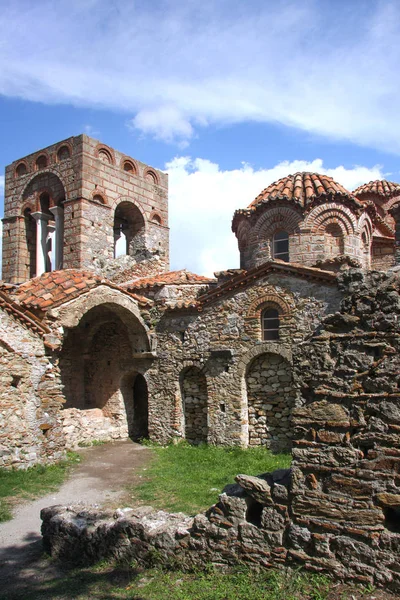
{"x": 25, "y": 573}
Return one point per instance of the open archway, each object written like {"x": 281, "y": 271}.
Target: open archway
{"x": 270, "y": 401}
{"x": 96, "y": 363}
{"x": 129, "y": 230}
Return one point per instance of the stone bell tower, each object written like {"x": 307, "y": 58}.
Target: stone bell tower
{"x": 81, "y": 204}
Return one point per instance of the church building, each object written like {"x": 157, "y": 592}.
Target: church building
{"x": 99, "y": 340}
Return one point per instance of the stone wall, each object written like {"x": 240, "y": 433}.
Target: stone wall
{"x": 30, "y": 399}
{"x": 336, "y": 511}
{"x": 222, "y": 341}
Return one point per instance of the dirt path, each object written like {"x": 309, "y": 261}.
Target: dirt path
{"x": 100, "y": 479}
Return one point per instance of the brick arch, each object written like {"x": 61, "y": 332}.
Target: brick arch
{"x": 150, "y": 175}
{"x": 274, "y": 219}
{"x": 131, "y": 162}
{"x": 271, "y": 300}
{"x": 326, "y": 214}
{"x": 26, "y": 206}
{"x": 43, "y": 174}
{"x": 100, "y": 192}
{"x": 243, "y": 235}
{"x": 102, "y": 148}
{"x": 365, "y": 224}
{"x": 156, "y": 218}
{"x": 20, "y": 164}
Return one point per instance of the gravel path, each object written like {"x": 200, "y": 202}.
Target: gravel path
{"x": 100, "y": 479}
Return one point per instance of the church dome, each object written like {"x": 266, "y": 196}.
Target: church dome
{"x": 379, "y": 187}
{"x": 303, "y": 188}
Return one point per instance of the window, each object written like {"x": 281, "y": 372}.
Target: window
{"x": 21, "y": 170}
{"x": 270, "y": 324}
{"x": 41, "y": 162}
{"x": 280, "y": 246}
{"x": 63, "y": 153}
{"x": 128, "y": 167}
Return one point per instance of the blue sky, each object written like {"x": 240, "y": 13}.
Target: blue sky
{"x": 227, "y": 96}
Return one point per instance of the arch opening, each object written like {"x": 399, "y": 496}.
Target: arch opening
{"x": 99, "y": 376}
{"x": 334, "y": 240}
{"x": 194, "y": 403}
{"x": 29, "y": 250}
{"x": 129, "y": 231}
{"x": 270, "y": 324}
{"x": 270, "y": 402}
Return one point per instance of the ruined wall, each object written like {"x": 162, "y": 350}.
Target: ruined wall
{"x": 30, "y": 399}
{"x": 222, "y": 341}
{"x": 337, "y": 510}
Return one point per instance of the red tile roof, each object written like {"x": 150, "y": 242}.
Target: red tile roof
{"x": 379, "y": 187}
{"x": 245, "y": 278}
{"x": 22, "y": 314}
{"x": 52, "y": 289}
{"x": 302, "y": 188}
{"x": 181, "y": 277}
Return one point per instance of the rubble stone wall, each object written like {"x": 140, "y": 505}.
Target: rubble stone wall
{"x": 222, "y": 341}
{"x": 30, "y": 399}
{"x": 337, "y": 510}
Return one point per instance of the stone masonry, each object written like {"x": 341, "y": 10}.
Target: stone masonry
{"x": 337, "y": 510}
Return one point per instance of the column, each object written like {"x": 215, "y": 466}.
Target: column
{"x": 41, "y": 239}
{"x": 58, "y": 239}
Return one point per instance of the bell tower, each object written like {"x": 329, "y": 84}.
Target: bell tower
{"x": 81, "y": 204}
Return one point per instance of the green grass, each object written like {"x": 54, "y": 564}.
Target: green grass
{"x": 17, "y": 485}
{"x": 189, "y": 478}
{"x": 120, "y": 582}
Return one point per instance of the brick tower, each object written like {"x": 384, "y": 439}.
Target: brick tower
{"x": 80, "y": 204}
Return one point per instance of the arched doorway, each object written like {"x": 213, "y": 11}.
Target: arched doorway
{"x": 194, "y": 403}
{"x": 96, "y": 363}
{"x": 270, "y": 401}
{"x": 135, "y": 394}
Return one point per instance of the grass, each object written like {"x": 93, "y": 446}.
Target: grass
{"x": 189, "y": 478}
{"x": 120, "y": 582}
{"x": 17, "y": 485}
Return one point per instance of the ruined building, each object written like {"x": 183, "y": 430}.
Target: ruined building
{"x": 99, "y": 340}
{"x": 298, "y": 348}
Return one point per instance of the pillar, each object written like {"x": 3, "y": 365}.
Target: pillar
{"x": 41, "y": 242}
{"x": 58, "y": 239}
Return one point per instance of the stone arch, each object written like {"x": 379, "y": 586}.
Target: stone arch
{"x": 243, "y": 365}
{"x": 193, "y": 387}
{"x": 273, "y": 219}
{"x": 64, "y": 152}
{"x": 243, "y": 233}
{"x": 46, "y": 193}
{"x": 270, "y": 398}
{"x": 98, "y": 370}
{"x": 70, "y": 315}
{"x": 129, "y": 230}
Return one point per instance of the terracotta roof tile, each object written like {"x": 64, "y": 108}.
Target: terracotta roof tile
{"x": 379, "y": 187}
{"x": 22, "y": 314}
{"x": 181, "y": 277}
{"x": 302, "y": 188}
{"x": 52, "y": 289}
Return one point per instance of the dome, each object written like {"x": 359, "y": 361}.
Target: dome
{"x": 302, "y": 188}
{"x": 379, "y": 187}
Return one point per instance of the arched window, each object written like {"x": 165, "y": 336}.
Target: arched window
{"x": 21, "y": 170}
{"x": 129, "y": 231}
{"x": 128, "y": 167}
{"x": 270, "y": 324}
{"x": 280, "y": 246}
{"x": 41, "y": 162}
{"x": 63, "y": 153}
{"x": 334, "y": 241}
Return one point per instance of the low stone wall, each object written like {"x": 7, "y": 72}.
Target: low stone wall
{"x": 248, "y": 524}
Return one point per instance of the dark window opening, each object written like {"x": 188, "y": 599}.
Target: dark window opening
{"x": 392, "y": 519}
{"x": 254, "y": 512}
{"x": 270, "y": 324}
{"x": 280, "y": 246}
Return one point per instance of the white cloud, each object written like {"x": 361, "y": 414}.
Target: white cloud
{"x": 174, "y": 66}
{"x": 203, "y": 198}
{"x": 1, "y": 185}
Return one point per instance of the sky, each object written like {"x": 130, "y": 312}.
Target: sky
{"x": 225, "y": 96}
